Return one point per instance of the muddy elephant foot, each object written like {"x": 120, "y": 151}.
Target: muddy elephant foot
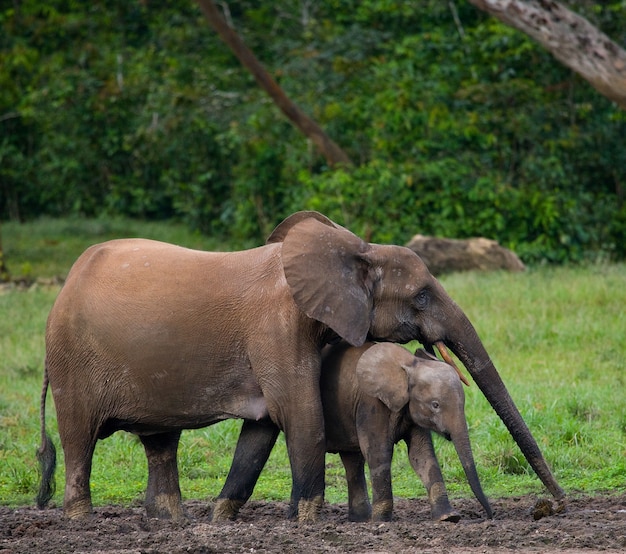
{"x": 226, "y": 509}
{"x": 80, "y": 509}
{"x": 440, "y": 507}
{"x": 450, "y": 517}
{"x": 360, "y": 513}
{"x": 165, "y": 506}
{"x": 309, "y": 510}
{"x": 382, "y": 510}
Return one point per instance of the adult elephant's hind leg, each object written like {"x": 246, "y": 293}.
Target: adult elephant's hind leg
{"x": 163, "y": 499}
{"x": 78, "y": 457}
{"x": 78, "y": 432}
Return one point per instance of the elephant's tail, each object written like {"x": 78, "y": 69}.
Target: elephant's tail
{"x": 46, "y": 454}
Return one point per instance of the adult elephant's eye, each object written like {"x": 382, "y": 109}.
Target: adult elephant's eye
{"x": 421, "y": 299}
{"x": 435, "y": 405}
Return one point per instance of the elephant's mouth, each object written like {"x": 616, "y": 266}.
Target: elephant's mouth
{"x": 441, "y": 348}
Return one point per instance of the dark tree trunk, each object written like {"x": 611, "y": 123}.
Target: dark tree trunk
{"x": 4, "y": 270}
{"x": 570, "y": 38}
{"x": 329, "y": 149}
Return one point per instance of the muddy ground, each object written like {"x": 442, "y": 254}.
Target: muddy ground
{"x": 591, "y": 524}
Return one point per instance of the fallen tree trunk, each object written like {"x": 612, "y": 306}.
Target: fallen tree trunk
{"x": 443, "y": 255}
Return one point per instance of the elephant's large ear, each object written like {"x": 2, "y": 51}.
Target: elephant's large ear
{"x": 380, "y": 373}
{"x": 281, "y": 230}
{"x": 330, "y": 277}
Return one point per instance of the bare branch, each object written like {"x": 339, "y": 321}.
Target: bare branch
{"x": 9, "y": 115}
{"x": 330, "y": 150}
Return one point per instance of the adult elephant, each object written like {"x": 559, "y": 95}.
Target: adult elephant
{"x": 152, "y": 338}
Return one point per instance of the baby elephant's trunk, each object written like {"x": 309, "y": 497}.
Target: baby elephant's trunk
{"x": 464, "y": 450}
{"x": 46, "y": 454}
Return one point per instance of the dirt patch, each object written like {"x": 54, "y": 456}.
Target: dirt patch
{"x": 591, "y": 524}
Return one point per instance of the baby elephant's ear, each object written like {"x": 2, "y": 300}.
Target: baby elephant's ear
{"x": 423, "y": 355}
{"x": 381, "y": 374}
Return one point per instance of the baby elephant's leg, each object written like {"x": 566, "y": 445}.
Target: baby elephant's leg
{"x": 426, "y": 465}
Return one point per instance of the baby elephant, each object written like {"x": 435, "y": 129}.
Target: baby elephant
{"x": 373, "y": 396}
{"x": 378, "y": 394}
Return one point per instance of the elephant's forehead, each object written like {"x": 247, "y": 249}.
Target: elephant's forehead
{"x": 441, "y": 374}
{"x": 403, "y": 258}
{"x": 408, "y": 273}
{"x": 399, "y": 280}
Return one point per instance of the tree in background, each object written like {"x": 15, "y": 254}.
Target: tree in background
{"x": 570, "y": 38}
{"x": 328, "y": 148}
{"x": 456, "y": 124}
{"x": 4, "y": 270}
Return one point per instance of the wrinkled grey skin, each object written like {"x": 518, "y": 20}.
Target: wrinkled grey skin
{"x": 375, "y": 396}
{"x": 152, "y": 339}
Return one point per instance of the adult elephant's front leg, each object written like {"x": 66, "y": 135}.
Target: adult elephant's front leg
{"x": 163, "y": 499}
{"x": 306, "y": 446}
{"x": 255, "y": 443}
{"x": 293, "y": 398}
{"x": 307, "y": 469}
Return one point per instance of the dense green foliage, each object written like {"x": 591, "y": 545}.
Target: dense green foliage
{"x": 555, "y": 334}
{"x": 456, "y": 128}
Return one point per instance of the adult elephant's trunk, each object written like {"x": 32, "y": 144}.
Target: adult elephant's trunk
{"x": 461, "y": 442}
{"x": 468, "y": 347}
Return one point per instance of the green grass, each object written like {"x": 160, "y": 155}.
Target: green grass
{"x": 48, "y": 247}
{"x": 557, "y": 335}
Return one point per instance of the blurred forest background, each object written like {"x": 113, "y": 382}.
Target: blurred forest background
{"x": 457, "y": 125}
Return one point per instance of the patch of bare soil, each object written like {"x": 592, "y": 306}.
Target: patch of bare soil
{"x": 590, "y": 524}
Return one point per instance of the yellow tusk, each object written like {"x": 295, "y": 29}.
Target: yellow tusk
{"x": 446, "y": 358}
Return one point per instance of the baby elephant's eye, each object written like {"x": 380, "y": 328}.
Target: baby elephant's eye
{"x": 435, "y": 404}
